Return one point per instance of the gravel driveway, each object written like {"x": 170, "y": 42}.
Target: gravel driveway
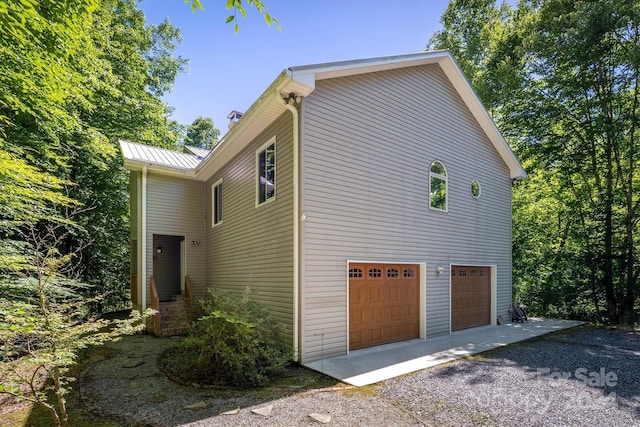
{"x": 585, "y": 376}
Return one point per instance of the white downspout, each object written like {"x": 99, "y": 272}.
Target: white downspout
{"x": 296, "y": 234}
{"x": 143, "y": 241}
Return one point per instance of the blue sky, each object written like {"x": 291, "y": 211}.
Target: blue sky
{"x": 229, "y": 71}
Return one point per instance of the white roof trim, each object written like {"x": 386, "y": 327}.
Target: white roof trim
{"x": 360, "y": 66}
{"x": 301, "y": 81}
{"x": 313, "y": 73}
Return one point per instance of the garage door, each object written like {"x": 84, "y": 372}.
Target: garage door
{"x": 383, "y": 303}
{"x": 470, "y": 296}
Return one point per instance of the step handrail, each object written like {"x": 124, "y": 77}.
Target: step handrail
{"x": 155, "y": 304}
{"x": 188, "y": 293}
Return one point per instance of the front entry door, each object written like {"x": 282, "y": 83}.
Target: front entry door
{"x": 167, "y": 265}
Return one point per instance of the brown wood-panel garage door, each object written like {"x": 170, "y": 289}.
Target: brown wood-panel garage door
{"x": 470, "y": 296}
{"x": 384, "y": 303}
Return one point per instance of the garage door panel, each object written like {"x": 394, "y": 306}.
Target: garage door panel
{"x": 383, "y": 304}
{"x": 470, "y": 296}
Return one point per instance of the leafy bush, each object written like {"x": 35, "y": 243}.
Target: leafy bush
{"x": 235, "y": 341}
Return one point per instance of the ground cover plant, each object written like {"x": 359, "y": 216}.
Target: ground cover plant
{"x": 233, "y": 341}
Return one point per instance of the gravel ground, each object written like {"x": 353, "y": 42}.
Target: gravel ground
{"x": 583, "y": 377}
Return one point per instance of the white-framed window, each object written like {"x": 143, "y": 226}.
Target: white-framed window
{"x": 216, "y": 203}
{"x": 438, "y": 186}
{"x": 266, "y": 172}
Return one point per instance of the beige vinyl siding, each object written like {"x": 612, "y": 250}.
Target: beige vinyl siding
{"x": 253, "y": 246}
{"x": 175, "y": 207}
{"x": 369, "y": 141}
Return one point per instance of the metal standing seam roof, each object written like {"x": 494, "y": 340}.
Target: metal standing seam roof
{"x": 158, "y": 156}
{"x": 197, "y": 151}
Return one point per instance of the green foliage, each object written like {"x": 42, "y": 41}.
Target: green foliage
{"x": 237, "y": 341}
{"x": 239, "y": 6}
{"x": 202, "y": 133}
{"x": 561, "y": 80}
{"x": 75, "y": 77}
{"x": 45, "y": 317}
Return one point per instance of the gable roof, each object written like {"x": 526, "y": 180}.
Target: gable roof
{"x": 301, "y": 81}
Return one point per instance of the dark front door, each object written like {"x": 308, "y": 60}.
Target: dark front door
{"x": 166, "y": 265}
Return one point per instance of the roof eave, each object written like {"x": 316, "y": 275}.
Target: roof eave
{"x": 135, "y": 165}
{"x": 311, "y": 73}
{"x": 470, "y": 98}
{"x": 347, "y": 68}
{"x": 268, "y": 107}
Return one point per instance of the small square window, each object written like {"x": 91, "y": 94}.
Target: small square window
{"x": 375, "y": 273}
{"x": 355, "y": 273}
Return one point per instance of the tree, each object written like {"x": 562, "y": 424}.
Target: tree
{"x": 238, "y": 6}
{"x": 45, "y": 320}
{"x": 562, "y": 81}
{"x": 202, "y": 133}
{"x": 137, "y": 67}
{"x": 75, "y": 77}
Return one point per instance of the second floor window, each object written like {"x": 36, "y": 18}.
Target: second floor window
{"x": 438, "y": 186}
{"x": 266, "y": 165}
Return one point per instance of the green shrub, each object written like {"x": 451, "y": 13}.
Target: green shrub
{"x": 235, "y": 341}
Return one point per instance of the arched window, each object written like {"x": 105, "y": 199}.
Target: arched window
{"x": 438, "y": 186}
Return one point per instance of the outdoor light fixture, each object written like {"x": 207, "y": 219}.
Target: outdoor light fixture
{"x": 159, "y": 249}
{"x": 292, "y": 97}
{"x": 195, "y": 242}
{"x": 439, "y": 269}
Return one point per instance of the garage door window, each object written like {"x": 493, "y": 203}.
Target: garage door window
{"x": 355, "y": 273}
{"x": 375, "y": 273}
{"x": 392, "y": 273}
{"x": 408, "y": 272}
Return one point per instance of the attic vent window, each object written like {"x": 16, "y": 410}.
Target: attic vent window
{"x": 438, "y": 186}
